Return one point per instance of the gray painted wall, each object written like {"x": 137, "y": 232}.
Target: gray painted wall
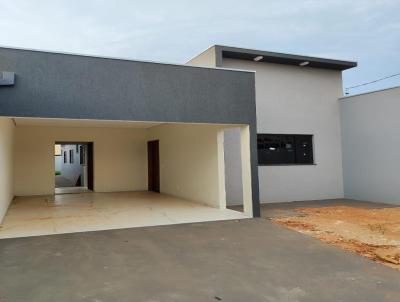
{"x": 70, "y": 86}
{"x": 233, "y": 167}
{"x": 371, "y": 144}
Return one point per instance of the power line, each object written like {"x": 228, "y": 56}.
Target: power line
{"x": 367, "y": 83}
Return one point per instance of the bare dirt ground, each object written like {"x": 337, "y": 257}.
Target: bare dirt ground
{"x": 372, "y": 233}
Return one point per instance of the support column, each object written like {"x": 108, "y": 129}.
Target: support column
{"x": 246, "y": 170}
{"x": 221, "y": 170}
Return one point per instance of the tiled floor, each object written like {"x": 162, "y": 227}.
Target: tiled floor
{"x": 70, "y": 190}
{"x": 69, "y": 213}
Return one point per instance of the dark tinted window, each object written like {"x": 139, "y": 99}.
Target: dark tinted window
{"x": 81, "y": 155}
{"x": 277, "y": 149}
{"x": 71, "y": 156}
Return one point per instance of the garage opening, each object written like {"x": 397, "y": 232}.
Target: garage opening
{"x": 73, "y": 164}
{"x": 145, "y": 174}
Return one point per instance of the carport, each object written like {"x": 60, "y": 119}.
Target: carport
{"x": 189, "y": 171}
{"x": 150, "y": 126}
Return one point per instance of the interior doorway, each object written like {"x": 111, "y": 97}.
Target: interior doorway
{"x": 73, "y": 163}
{"x": 153, "y": 158}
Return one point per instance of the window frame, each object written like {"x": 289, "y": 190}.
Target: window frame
{"x": 311, "y": 137}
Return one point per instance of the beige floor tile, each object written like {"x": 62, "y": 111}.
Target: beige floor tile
{"x": 69, "y": 213}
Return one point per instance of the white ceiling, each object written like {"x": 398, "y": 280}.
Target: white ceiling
{"x": 82, "y": 123}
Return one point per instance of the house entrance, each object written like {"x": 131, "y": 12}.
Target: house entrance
{"x": 73, "y": 167}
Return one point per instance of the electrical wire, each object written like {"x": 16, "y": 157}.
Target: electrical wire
{"x": 367, "y": 83}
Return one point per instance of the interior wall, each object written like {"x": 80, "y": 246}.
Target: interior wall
{"x": 299, "y": 100}
{"x": 371, "y": 143}
{"x": 120, "y": 158}
{"x": 189, "y": 162}
{"x": 6, "y": 164}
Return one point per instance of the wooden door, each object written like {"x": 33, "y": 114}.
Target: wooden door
{"x": 90, "y": 171}
{"x": 153, "y": 158}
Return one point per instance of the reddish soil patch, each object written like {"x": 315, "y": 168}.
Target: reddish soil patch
{"x": 372, "y": 233}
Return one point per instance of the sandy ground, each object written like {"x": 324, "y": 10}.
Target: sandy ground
{"x": 372, "y": 233}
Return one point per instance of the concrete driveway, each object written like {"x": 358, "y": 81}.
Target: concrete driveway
{"x": 244, "y": 260}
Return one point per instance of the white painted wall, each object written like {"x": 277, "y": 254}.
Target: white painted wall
{"x": 233, "y": 167}
{"x": 205, "y": 59}
{"x": 58, "y": 161}
{"x": 6, "y": 164}
{"x": 189, "y": 162}
{"x": 245, "y": 154}
{"x": 371, "y": 144}
{"x": 120, "y": 158}
{"x": 298, "y": 100}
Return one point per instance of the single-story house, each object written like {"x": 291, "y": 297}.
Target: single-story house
{"x": 148, "y": 127}
{"x": 231, "y": 126}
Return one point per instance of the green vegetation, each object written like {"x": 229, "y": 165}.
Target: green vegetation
{"x": 58, "y": 172}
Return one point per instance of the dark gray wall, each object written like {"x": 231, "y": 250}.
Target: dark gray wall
{"x": 56, "y": 85}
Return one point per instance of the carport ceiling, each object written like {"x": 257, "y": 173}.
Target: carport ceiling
{"x": 82, "y": 123}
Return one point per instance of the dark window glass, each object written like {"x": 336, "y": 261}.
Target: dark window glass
{"x": 65, "y": 157}
{"x": 278, "y": 149}
{"x": 71, "y": 156}
{"x": 81, "y": 155}
{"x": 304, "y": 149}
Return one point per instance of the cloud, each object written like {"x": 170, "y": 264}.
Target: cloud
{"x": 174, "y": 30}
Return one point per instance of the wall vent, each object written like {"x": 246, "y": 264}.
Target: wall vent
{"x": 7, "y": 78}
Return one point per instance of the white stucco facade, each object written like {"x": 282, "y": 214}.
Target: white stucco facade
{"x": 371, "y": 142}
{"x": 205, "y": 59}
{"x": 290, "y": 100}
{"x": 299, "y": 100}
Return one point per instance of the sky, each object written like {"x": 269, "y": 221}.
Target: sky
{"x": 173, "y": 31}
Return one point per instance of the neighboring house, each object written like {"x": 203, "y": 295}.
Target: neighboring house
{"x": 70, "y": 166}
{"x": 152, "y": 126}
{"x": 298, "y": 123}
{"x": 371, "y": 143}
